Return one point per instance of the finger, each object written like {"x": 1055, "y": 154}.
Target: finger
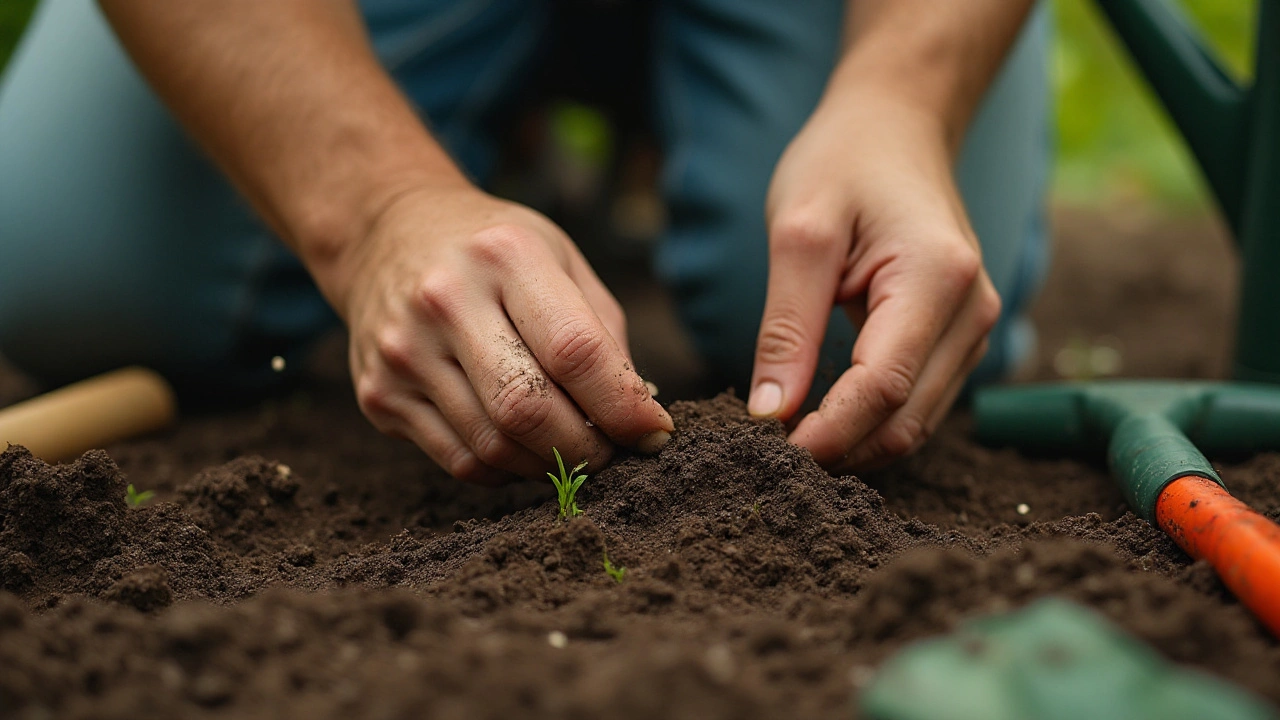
{"x": 804, "y": 271}
{"x": 601, "y": 301}
{"x": 401, "y": 413}
{"x": 430, "y": 430}
{"x": 907, "y": 316}
{"x": 505, "y": 407}
{"x": 949, "y": 398}
{"x": 580, "y": 354}
{"x": 925, "y": 411}
{"x": 408, "y": 366}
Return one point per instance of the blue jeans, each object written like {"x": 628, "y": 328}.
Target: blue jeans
{"x": 120, "y": 243}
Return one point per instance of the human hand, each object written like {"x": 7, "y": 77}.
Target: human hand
{"x": 863, "y": 213}
{"x": 479, "y": 332}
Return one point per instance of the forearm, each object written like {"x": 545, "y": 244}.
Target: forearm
{"x": 290, "y": 101}
{"x": 938, "y": 57}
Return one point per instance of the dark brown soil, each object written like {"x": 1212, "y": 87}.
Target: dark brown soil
{"x": 296, "y": 563}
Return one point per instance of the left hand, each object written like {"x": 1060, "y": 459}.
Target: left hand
{"x": 863, "y": 213}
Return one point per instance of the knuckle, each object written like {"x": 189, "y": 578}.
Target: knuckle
{"x": 892, "y": 386}
{"x": 576, "y": 349}
{"x": 989, "y": 308}
{"x": 903, "y": 436}
{"x": 373, "y": 399}
{"x": 394, "y": 349}
{"x": 782, "y": 336}
{"x": 494, "y": 449}
{"x": 439, "y": 295}
{"x": 975, "y": 357}
{"x": 499, "y": 245}
{"x": 464, "y": 465}
{"x": 962, "y": 266}
{"x": 518, "y": 407}
{"x": 804, "y": 233}
{"x": 980, "y": 352}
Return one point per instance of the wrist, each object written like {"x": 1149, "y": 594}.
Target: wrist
{"x": 876, "y": 87}
{"x": 860, "y": 109}
{"x": 335, "y": 240}
{"x": 936, "y": 57}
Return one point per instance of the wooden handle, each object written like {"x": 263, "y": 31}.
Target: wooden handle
{"x": 89, "y": 414}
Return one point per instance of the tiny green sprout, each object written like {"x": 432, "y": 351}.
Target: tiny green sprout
{"x": 137, "y": 499}
{"x": 567, "y": 486}
{"x": 614, "y": 571}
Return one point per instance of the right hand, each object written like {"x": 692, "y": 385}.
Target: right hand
{"x": 479, "y": 332}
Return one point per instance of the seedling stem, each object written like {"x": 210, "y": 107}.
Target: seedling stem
{"x": 567, "y": 486}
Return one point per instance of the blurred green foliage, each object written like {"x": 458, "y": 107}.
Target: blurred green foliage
{"x": 1114, "y": 141}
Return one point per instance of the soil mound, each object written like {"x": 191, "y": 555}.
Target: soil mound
{"x": 56, "y": 520}
{"x": 67, "y": 529}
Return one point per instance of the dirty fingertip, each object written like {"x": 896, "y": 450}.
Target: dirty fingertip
{"x": 653, "y": 442}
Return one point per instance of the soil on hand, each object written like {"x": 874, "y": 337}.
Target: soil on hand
{"x": 296, "y": 563}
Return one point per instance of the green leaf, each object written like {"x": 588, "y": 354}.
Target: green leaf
{"x": 613, "y": 571}
{"x": 137, "y": 499}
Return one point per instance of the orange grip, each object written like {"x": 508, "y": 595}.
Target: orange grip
{"x": 1243, "y": 546}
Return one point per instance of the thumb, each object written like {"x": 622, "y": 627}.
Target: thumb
{"x": 804, "y": 271}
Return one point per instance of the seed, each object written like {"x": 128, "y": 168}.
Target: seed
{"x": 557, "y": 640}
{"x": 1023, "y": 508}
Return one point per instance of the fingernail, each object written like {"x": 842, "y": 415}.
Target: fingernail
{"x": 765, "y": 400}
{"x": 653, "y": 442}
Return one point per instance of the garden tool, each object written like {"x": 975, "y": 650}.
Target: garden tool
{"x": 89, "y": 414}
{"x": 1151, "y": 429}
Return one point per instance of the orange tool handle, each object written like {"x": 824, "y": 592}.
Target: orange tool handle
{"x": 1243, "y": 546}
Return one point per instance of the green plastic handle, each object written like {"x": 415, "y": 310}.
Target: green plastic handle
{"x": 1208, "y": 106}
{"x": 1147, "y": 453}
{"x": 1234, "y": 132}
{"x": 1151, "y": 430}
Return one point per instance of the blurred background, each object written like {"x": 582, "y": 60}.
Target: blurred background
{"x": 1115, "y": 146}
{"x": 1143, "y": 277}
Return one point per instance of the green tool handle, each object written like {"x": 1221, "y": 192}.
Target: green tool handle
{"x": 1258, "y": 328}
{"x": 1207, "y": 105}
{"x": 1147, "y": 452}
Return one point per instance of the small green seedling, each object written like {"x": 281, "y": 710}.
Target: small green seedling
{"x": 614, "y": 572}
{"x": 137, "y": 499}
{"x": 567, "y": 486}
